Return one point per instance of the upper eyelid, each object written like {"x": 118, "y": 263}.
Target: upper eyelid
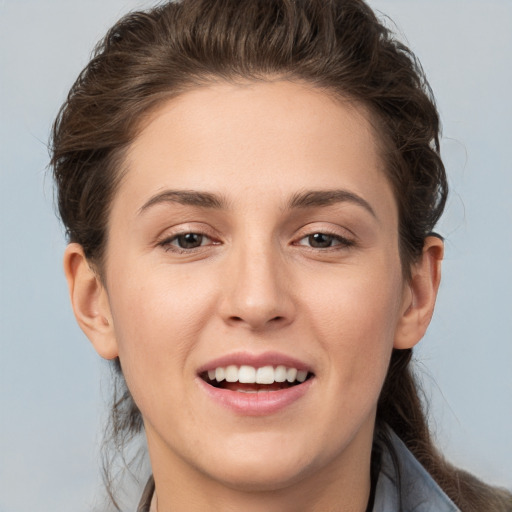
{"x": 340, "y": 231}
{"x": 327, "y": 233}
{"x": 183, "y": 229}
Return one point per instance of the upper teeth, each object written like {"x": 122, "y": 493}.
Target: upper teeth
{"x": 250, "y": 375}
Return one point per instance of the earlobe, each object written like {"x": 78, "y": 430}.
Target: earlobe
{"x": 420, "y": 295}
{"x": 89, "y": 300}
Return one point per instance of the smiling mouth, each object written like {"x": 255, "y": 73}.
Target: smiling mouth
{"x": 249, "y": 379}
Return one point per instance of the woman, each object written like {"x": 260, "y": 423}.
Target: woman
{"x": 250, "y": 189}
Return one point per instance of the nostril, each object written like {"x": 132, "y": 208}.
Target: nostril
{"x": 276, "y": 319}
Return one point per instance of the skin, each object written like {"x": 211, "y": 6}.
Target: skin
{"x": 256, "y": 284}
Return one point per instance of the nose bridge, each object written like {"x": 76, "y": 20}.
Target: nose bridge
{"x": 257, "y": 295}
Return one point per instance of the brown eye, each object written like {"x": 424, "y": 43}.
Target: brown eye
{"x": 189, "y": 240}
{"x": 325, "y": 241}
{"x": 185, "y": 242}
{"x": 321, "y": 240}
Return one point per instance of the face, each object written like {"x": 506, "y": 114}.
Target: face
{"x": 254, "y": 239}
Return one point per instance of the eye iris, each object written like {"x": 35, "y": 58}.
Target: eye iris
{"x": 320, "y": 240}
{"x": 190, "y": 240}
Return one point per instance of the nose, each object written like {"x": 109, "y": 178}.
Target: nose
{"x": 257, "y": 293}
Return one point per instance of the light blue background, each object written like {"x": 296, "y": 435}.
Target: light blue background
{"x": 50, "y": 397}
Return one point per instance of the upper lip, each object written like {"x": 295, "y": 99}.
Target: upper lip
{"x": 255, "y": 360}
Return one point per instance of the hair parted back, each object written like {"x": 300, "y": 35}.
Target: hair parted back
{"x": 339, "y": 46}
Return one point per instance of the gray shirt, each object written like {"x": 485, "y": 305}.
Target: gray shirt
{"x": 417, "y": 491}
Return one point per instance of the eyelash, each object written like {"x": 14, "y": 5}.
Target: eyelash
{"x": 168, "y": 245}
{"x": 341, "y": 242}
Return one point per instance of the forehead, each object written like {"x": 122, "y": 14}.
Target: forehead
{"x": 267, "y": 137}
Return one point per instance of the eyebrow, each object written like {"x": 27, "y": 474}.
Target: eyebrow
{"x": 314, "y": 198}
{"x": 300, "y": 200}
{"x": 187, "y": 197}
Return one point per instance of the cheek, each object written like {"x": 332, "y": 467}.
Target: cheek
{"x": 158, "y": 317}
{"x": 355, "y": 318}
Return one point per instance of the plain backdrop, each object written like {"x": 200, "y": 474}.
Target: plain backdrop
{"x": 52, "y": 384}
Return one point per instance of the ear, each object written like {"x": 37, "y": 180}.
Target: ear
{"x": 90, "y": 303}
{"x": 420, "y": 294}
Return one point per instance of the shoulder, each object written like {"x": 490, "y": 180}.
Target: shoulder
{"x": 404, "y": 484}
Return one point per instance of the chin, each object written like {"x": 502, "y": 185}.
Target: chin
{"x": 262, "y": 466}
{"x": 262, "y": 477}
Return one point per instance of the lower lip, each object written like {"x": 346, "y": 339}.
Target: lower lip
{"x": 256, "y": 404}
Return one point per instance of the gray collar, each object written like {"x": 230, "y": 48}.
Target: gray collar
{"x": 416, "y": 492}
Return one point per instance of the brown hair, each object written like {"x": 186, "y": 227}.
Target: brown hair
{"x": 336, "y": 45}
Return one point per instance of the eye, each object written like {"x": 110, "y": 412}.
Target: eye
{"x": 324, "y": 241}
{"x": 189, "y": 240}
{"x": 186, "y": 241}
